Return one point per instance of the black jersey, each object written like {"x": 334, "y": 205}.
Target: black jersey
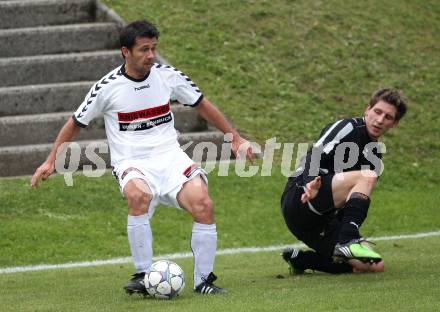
{"x": 342, "y": 146}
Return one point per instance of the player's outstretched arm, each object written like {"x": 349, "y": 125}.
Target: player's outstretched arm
{"x": 214, "y": 116}
{"x": 66, "y": 134}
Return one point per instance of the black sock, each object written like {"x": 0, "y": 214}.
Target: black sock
{"x": 353, "y": 215}
{"x": 313, "y": 261}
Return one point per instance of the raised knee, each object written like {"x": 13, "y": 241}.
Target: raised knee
{"x": 369, "y": 177}
{"x": 203, "y": 209}
{"x": 204, "y": 205}
{"x": 138, "y": 202}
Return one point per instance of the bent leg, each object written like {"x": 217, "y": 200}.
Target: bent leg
{"x": 351, "y": 190}
{"x": 311, "y": 260}
{"x": 194, "y": 198}
{"x": 140, "y": 238}
{"x": 138, "y": 195}
{"x": 344, "y": 184}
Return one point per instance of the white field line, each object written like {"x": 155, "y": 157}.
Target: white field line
{"x": 228, "y": 251}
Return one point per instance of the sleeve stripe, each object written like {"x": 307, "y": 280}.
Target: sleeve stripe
{"x": 199, "y": 100}
{"x": 78, "y": 123}
{"x": 339, "y": 136}
{"x": 330, "y": 133}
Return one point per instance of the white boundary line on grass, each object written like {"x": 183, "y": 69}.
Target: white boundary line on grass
{"x": 183, "y": 255}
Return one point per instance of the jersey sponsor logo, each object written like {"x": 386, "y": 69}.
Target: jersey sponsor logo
{"x": 145, "y": 124}
{"x": 145, "y": 113}
{"x": 141, "y": 87}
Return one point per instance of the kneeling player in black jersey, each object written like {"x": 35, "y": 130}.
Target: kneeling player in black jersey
{"x": 326, "y": 201}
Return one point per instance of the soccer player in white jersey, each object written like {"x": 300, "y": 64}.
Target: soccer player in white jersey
{"x": 148, "y": 162}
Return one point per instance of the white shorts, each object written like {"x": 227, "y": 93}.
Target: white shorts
{"x": 165, "y": 175}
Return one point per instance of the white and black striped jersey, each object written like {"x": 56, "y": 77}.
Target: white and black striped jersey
{"x": 342, "y": 146}
{"x": 137, "y": 112}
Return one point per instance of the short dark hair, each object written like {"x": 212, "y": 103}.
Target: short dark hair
{"x": 391, "y": 96}
{"x": 130, "y": 32}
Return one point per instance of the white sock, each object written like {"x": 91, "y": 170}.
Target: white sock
{"x": 203, "y": 245}
{"x": 140, "y": 239}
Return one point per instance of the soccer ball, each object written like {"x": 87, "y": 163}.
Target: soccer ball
{"x": 165, "y": 280}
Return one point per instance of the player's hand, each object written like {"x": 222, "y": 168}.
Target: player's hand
{"x": 242, "y": 147}
{"x": 311, "y": 190}
{"x": 43, "y": 172}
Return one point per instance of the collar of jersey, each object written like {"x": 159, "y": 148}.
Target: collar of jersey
{"x": 131, "y": 78}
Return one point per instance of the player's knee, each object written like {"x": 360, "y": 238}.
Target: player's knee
{"x": 369, "y": 177}
{"x": 203, "y": 209}
{"x": 205, "y": 205}
{"x": 138, "y": 202}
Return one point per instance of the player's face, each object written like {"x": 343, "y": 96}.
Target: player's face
{"x": 379, "y": 119}
{"x": 140, "y": 57}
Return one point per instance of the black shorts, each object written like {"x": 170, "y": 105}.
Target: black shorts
{"x": 316, "y": 224}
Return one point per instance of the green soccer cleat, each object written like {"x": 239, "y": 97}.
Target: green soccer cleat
{"x": 356, "y": 249}
{"x": 289, "y": 254}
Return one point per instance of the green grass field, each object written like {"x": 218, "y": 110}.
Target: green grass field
{"x": 285, "y": 68}
{"x": 52, "y": 226}
{"x": 57, "y": 223}
{"x": 257, "y": 282}
{"x": 278, "y": 68}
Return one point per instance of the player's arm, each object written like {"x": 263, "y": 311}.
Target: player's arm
{"x": 66, "y": 134}
{"x": 214, "y": 116}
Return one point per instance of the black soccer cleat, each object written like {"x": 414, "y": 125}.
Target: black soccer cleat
{"x": 207, "y": 287}
{"x": 136, "y": 285}
{"x": 289, "y": 254}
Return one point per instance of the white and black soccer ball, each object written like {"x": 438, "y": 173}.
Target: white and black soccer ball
{"x": 165, "y": 280}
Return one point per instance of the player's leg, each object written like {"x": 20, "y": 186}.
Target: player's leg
{"x": 351, "y": 192}
{"x": 301, "y": 260}
{"x": 320, "y": 259}
{"x": 345, "y": 184}
{"x": 138, "y": 194}
{"x": 194, "y": 198}
{"x": 362, "y": 267}
{"x": 309, "y": 223}
{"x": 321, "y": 239}
{"x": 329, "y": 239}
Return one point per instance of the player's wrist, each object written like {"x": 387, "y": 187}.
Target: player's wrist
{"x": 50, "y": 160}
{"x": 236, "y": 137}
